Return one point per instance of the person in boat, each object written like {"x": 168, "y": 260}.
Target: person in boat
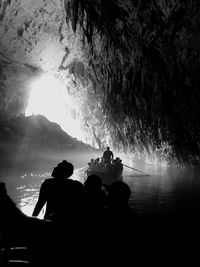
{"x": 108, "y": 155}
{"x": 94, "y": 195}
{"x": 121, "y": 217}
{"x": 48, "y": 242}
{"x": 57, "y": 192}
{"x": 94, "y": 221}
{"x": 97, "y": 161}
{"x": 117, "y": 163}
{"x": 102, "y": 163}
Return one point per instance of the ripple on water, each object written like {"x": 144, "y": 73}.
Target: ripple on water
{"x": 163, "y": 192}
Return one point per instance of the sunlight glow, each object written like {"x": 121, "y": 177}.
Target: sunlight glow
{"x": 49, "y": 97}
{"x": 28, "y": 210}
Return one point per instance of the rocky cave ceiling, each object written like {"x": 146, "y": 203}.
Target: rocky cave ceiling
{"x": 132, "y": 66}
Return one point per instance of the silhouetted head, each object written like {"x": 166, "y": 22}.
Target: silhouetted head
{"x": 93, "y": 182}
{"x": 118, "y": 193}
{"x": 64, "y": 169}
{"x": 108, "y": 148}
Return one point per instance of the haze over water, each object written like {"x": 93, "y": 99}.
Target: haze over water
{"x": 165, "y": 193}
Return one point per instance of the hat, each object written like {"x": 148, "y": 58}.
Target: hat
{"x": 63, "y": 169}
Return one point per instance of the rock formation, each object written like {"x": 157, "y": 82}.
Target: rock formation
{"x": 133, "y": 67}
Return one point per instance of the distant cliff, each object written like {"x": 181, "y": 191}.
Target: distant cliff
{"x": 24, "y": 139}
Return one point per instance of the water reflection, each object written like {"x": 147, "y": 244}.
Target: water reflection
{"x": 165, "y": 192}
{"x": 29, "y": 193}
{"x": 170, "y": 194}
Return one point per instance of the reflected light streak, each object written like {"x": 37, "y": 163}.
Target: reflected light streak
{"x": 29, "y": 194}
{"x": 49, "y": 97}
{"x": 28, "y": 208}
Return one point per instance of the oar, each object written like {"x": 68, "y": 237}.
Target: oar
{"x": 81, "y": 168}
{"x": 133, "y": 168}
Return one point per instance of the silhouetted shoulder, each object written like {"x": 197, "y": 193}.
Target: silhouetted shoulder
{"x": 47, "y": 186}
{"x": 48, "y": 182}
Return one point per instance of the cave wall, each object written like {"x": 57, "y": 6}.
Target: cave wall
{"x": 34, "y": 39}
{"x": 146, "y": 69}
{"x": 133, "y": 66}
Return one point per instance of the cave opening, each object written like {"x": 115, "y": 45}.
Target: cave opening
{"x": 49, "y": 97}
{"x": 130, "y": 71}
{"x": 118, "y": 73}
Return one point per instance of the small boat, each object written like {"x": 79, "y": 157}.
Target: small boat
{"x": 109, "y": 173}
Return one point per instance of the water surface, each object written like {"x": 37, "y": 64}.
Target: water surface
{"x": 160, "y": 192}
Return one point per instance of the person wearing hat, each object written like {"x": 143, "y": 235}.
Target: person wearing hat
{"x": 56, "y": 192}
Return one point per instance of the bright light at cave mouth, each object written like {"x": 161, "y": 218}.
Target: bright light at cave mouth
{"x": 49, "y": 97}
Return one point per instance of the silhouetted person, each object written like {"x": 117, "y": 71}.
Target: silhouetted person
{"x": 48, "y": 242}
{"x": 122, "y": 222}
{"x": 94, "y": 195}
{"x": 68, "y": 218}
{"x": 63, "y": 198}
{"x": 20, "y": 230}
{"x": 118, "y": 198}
{"x": 94, "y": 219}
{"x": 108, "y": 155}
{"x": 56, "y": 192}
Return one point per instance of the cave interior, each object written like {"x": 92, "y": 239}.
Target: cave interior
{"x": 130, "y": 68}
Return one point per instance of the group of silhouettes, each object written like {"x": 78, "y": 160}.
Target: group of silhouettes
{"x": 64, "y": 196}
{"x": 91, "y": 213}
{"x": 95, "y": 221}
{"x": 81, "y": 220}
{"x": 86, "y": 224}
